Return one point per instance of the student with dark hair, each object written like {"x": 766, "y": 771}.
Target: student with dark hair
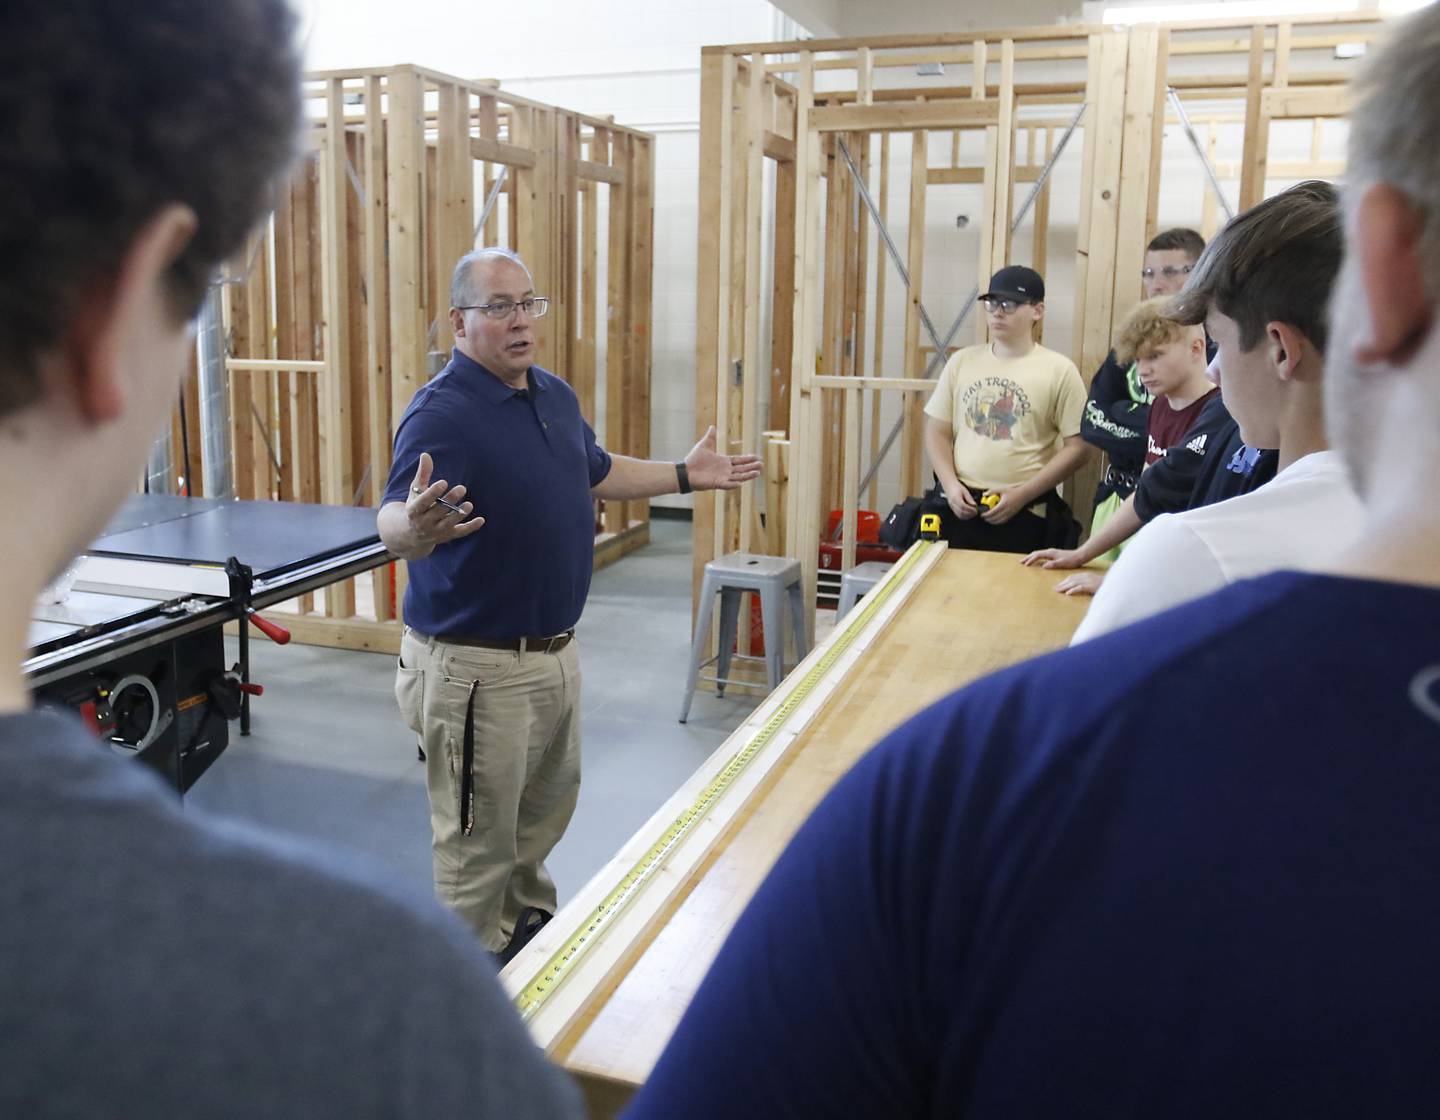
{"x": 1272, "y": 331}
{"x": 1066, "y": 891}
{"x": 155, "y": 962}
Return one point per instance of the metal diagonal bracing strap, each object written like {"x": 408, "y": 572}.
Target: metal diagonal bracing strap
{"x": 1199, "y": 151}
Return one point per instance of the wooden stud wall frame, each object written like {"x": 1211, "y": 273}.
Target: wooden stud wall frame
{"x": 337, "y": 309}
{"x": 772, "y": 105}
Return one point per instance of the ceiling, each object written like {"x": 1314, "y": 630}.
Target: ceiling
{"x": 844, "y": 18}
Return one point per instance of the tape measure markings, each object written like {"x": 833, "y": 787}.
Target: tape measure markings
{"x": 543, "y": 984}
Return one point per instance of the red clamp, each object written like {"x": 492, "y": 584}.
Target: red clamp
{"x": 277, "y": 634}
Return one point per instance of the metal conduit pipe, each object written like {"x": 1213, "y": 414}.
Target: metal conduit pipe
{"x": 215, "y": 469}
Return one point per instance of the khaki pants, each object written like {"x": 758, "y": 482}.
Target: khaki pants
{"x": 526, "y": 770}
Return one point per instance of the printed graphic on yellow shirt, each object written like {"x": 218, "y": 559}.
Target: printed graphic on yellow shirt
{"x": 994, "y": 407}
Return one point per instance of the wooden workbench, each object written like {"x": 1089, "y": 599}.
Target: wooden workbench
{"x": 949, "y": 618}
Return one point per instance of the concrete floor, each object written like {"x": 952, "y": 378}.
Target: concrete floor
{"x": 330, "y": 760}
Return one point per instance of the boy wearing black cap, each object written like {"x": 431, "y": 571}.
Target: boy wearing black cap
{"x": 1002, "y": 429}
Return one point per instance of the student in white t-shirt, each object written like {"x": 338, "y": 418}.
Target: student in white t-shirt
{"x": 1002, "y": 429}
{"x": 1262, "y": 289}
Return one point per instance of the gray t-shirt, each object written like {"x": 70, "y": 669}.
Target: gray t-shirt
{"x": 157, "y": 963}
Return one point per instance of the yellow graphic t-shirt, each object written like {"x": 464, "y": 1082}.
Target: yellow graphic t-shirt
{"x": 1010, "y": 415}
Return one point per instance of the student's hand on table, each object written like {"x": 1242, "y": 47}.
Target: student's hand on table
{"x": 962, "y": 505}
{"x": 1011, "y": 502}
{"x": 431, "y": 522}
{"x": 1081, "y": 583}
{"x": 709, "y": 470}
{"x": 1054, "y": 558}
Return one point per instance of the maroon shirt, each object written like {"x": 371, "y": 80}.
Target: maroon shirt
{"x": 1167, "y": 426}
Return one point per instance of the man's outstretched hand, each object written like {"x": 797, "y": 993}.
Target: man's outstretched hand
{"x": 429, "y": 521}
{"x": 709, "y": 470}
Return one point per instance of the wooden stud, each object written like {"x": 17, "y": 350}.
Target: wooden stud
{"x": 882, "y": 269}
{"x": 257, "y": 304}
{"x": 565, "y": 211}
{"x": 1209, "y": 223}
{"x": 832, "y": 310}
{"x": 404, "y": 160}
{"x": 337, "y": 479}
{"x": 1105, "y": 129}
{"x": 1090, "y": 135}
{"x": 887, "y": 117}
{"x": 735, "y": 293}
{"x": 850, "y": 499}
{"x": 585, "y": 378}
{"x": 1005, "y": 157}
{"x": 377, "y": 327}
{"x": 1257, "y": 131}
{"x": 285, "y": 340}
{"x": 1136, "y": 195}
{"x": 1040, "y": 226}
{"x": 750, "y": 391}
{"x": 802, "y": 491}
{"x": 640, "y": 177}
{"x": 709, "y": 280}
{"x": 782, "y": 314}
{"x": 724, "y": 293}
{"x": 361, "y": 421}
{"x": 912, "y": 434}
{"x": 405, "y": 151}
{"x": 1280, "y": 78}
{"x": 616, "y": 366}
{"x": 242, "y": 419}
{"x": 489, "y": 122}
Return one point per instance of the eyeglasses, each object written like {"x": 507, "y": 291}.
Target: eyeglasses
{"x": 1169, "y": 271}
{"x": 535, "y": 307}
{"x": 1004, "y": 306}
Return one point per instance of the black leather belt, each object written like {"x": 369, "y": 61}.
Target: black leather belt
{"x": 518, "y": 645}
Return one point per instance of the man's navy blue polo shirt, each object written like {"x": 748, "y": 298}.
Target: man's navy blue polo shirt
{"x": 528, "y": 460}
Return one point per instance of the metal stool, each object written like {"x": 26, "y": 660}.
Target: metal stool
{"x": 858, "y": 580}
{"x": 770, "y": 577}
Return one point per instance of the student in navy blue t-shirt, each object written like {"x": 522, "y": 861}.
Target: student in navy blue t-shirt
{"x": 489, "y": 676}
{"x": 1189, "y": 869}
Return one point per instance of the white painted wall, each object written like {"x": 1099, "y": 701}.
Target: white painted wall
{"x": 864, "y": 17}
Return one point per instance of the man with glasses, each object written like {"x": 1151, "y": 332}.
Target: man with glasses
{"x": 1002, "y": 429}
{"x": 489, "y": 672}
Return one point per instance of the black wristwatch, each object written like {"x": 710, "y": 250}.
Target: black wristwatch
{"x": 683, "y": 476}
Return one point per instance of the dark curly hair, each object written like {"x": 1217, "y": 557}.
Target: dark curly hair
{"x": 110, "y": 110}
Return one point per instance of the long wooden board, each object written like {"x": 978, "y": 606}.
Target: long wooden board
{"x": 971, "y": 614}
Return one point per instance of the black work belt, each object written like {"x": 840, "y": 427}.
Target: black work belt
{"x": 516, "y": 645}
{"x": 1117, "y": 479}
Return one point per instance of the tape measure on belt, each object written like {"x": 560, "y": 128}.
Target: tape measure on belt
{"x": 543, "y": 984}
